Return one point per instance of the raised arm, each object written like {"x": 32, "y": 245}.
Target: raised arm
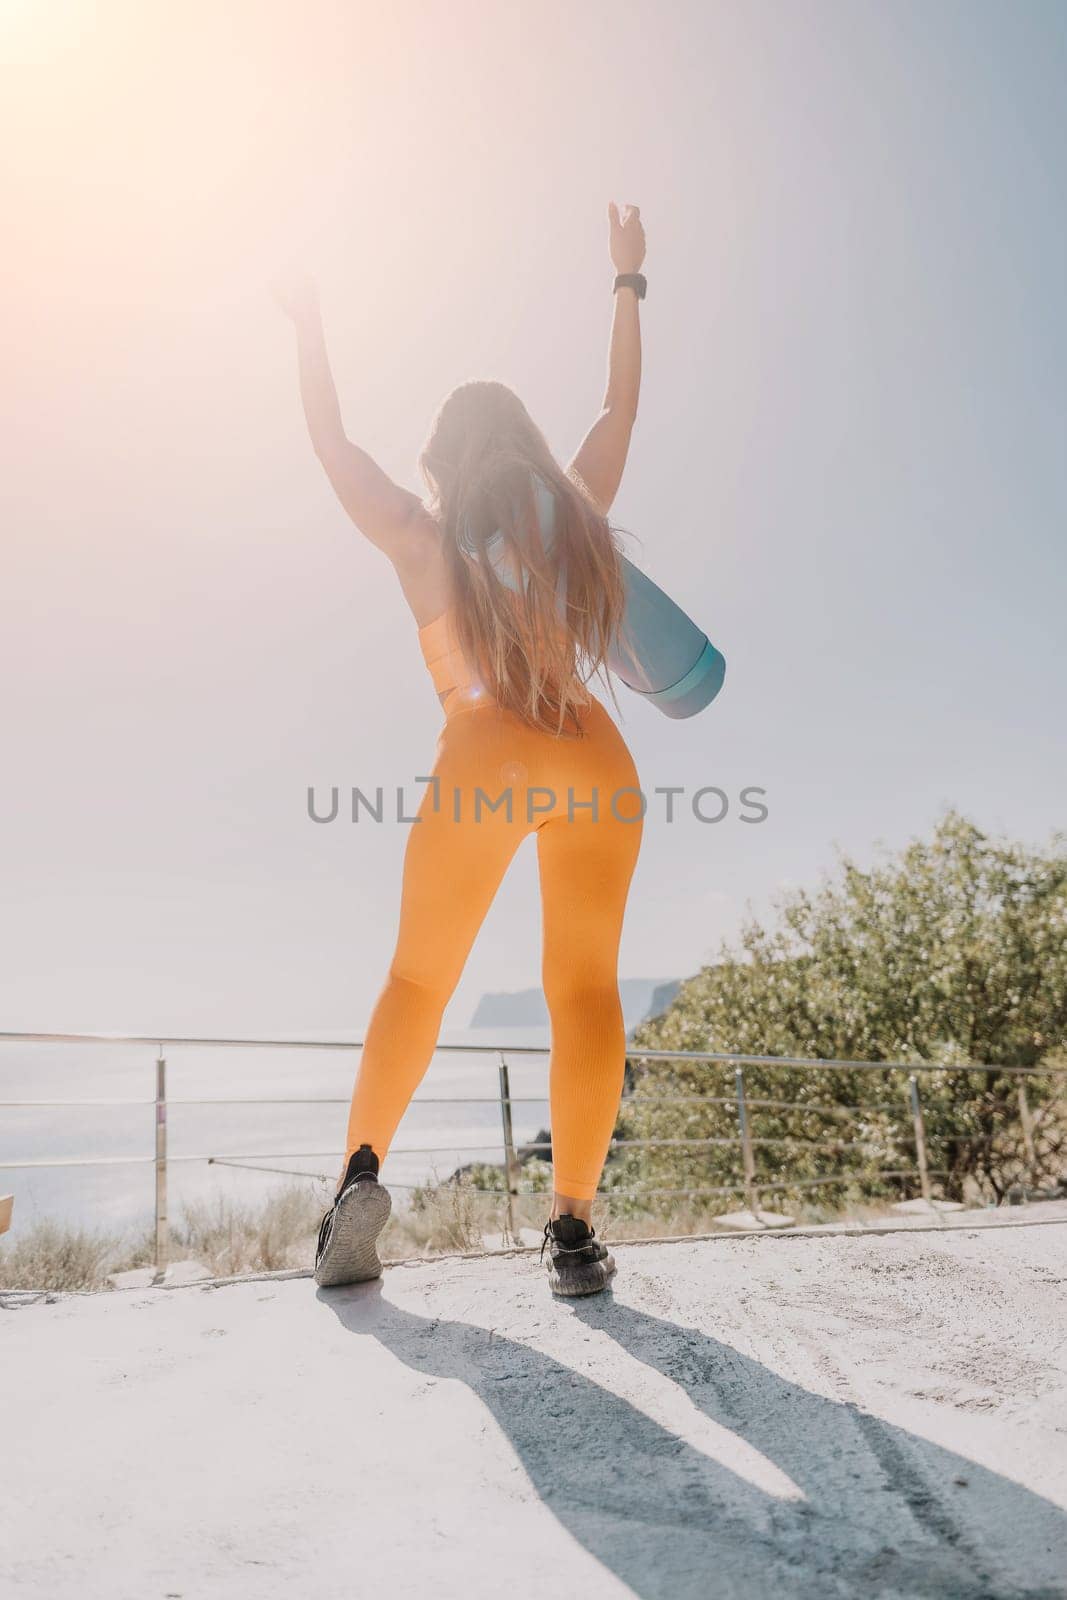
{"x": 602, "y": 455}
{"x": 389, "y": 516}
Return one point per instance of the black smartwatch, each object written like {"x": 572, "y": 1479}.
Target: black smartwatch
{"x": 631, "y": 280}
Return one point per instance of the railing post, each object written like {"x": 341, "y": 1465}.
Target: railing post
{"x": 920, "y": 1134}
{"x": 747, "y": 1156}
{"x": 162, "y": 1232}
{"x": 1027, "y": 1121}
{"x": 511, "y": 1165}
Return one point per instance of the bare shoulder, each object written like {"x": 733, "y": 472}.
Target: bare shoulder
{"x": 583, "y": 488}
{"x": 420, "y": 565}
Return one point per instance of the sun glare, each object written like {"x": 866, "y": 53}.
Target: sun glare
{"x": 34, "y": 32}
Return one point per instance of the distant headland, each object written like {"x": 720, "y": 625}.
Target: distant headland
{"x": 526, "y": 1008}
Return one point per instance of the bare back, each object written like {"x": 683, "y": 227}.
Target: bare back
{"x": 422, "y": 570}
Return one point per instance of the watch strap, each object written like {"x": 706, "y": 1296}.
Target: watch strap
{"x": 631, "y": 280}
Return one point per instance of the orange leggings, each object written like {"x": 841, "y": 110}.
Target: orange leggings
{"x": 457, "y": 854}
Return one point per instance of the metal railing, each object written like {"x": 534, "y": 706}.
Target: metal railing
{"x": 750, "y": 1187}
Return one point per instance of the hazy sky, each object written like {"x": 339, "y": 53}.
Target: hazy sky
{"x": 849, "y": 464}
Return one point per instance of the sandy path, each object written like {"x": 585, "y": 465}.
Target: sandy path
{"x": 820, "y": 1416}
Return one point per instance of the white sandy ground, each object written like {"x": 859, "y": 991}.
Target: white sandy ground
{"x": 745, "y": 1417}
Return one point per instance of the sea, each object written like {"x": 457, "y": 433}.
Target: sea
{"x": 253, "y": 1148}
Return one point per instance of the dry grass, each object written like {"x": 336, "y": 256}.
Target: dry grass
{"x": 226, "y": 1237}
{"x": 49, "y": 1256}
{"x": 229, "y": 1238}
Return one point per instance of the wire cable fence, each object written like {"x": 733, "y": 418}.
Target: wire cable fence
{"x": 911, "y": 1134}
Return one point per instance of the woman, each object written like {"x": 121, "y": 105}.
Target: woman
{"x": 512, "y": 573}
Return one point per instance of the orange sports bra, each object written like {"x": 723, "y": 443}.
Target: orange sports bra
{"x": 457, "y": 685}
{"x": 448, "y": 667}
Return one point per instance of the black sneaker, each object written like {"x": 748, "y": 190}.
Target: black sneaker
{"x": 349, "y": 1231}
{"x": 578, "y": 1263}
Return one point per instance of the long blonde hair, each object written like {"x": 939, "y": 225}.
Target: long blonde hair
{"x": 534, "y": 645}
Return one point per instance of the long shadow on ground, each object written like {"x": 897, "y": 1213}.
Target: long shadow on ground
{"x": 876, "y": 1511}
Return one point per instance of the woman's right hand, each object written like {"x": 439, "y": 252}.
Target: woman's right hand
{"x": 627, "y": 238}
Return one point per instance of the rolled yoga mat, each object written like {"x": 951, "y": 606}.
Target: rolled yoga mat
{"x": 658, "y": 651}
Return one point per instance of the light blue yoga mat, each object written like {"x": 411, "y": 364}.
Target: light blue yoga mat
{"x": 658, "y": 652}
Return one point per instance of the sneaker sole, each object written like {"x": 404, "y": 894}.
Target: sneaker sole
{"x": 351, "y": 1255}
{"x": 589, "y": 1277}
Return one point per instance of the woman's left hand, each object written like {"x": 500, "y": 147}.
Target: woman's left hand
{"x": 297, "y": 295}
